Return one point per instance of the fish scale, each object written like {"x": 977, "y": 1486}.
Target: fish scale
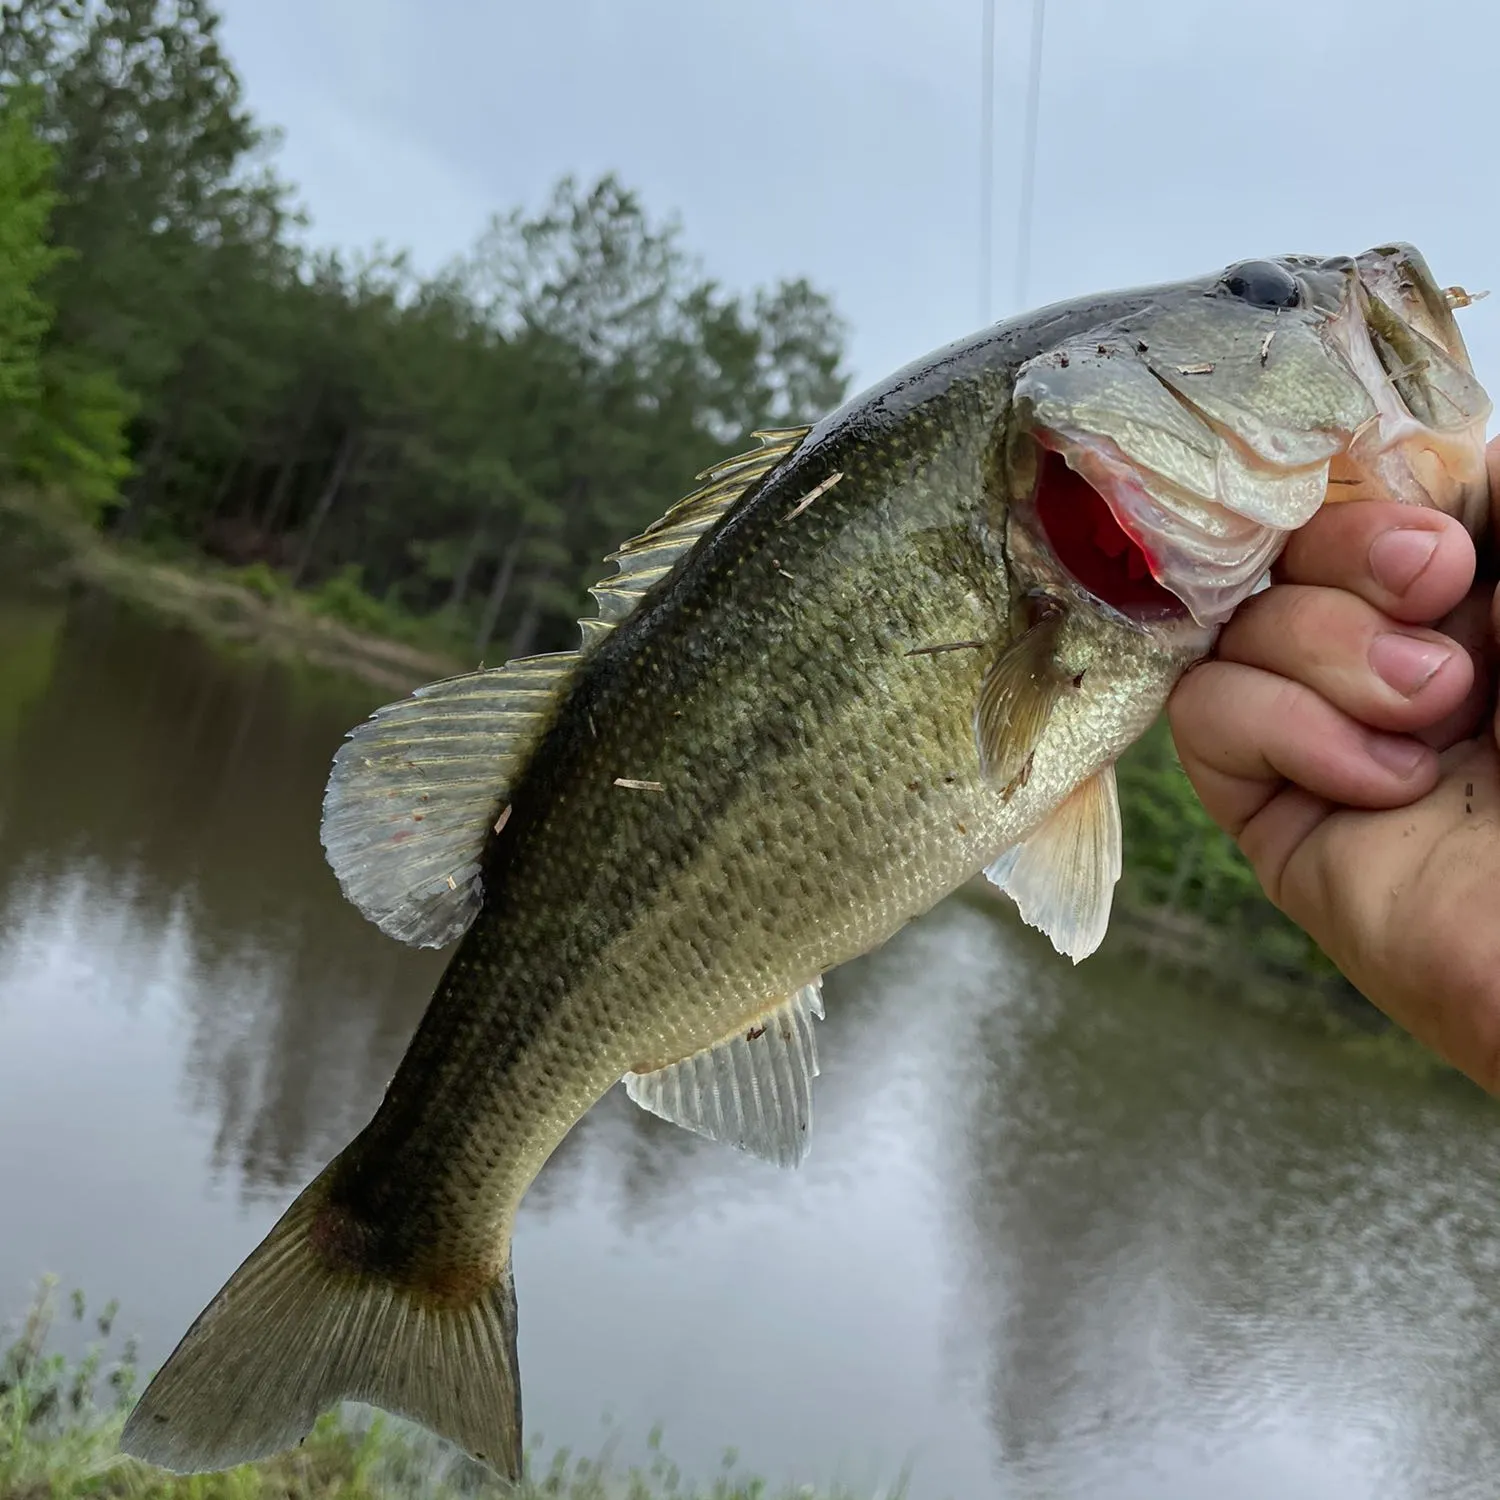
{"x": 856, "y": 667}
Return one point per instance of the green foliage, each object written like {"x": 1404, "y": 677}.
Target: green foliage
{"x": 72, "y": 441}
{"x": 60, "y": 1422}
{"x": 467, "y": 445}
{"x": 343, "y": 598}
{"x": 63, "y": 415}
{"x": 27, "y": 198}
{"x": 262, "y": 581}
{"x": 143, "y": 112}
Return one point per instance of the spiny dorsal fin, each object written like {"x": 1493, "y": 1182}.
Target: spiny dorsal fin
{"x": 646, "y": 559}
{"x": 753, "y": 1090}
{"x": 416, "y": 789}
{"x": 1062, "y": 877}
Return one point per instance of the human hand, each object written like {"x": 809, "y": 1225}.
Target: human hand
{"x": 1351, "y": 752}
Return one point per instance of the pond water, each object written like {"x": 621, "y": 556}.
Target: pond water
{"x": 1090, "y": 1232}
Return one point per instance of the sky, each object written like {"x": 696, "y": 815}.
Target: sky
{"x": 840, "y": 139}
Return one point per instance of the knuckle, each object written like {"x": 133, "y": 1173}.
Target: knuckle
{"x": 1287, "y": 709}
{"x": 1309, "y": 616}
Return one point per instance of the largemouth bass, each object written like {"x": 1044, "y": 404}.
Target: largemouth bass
{"x": 856, "y": 667}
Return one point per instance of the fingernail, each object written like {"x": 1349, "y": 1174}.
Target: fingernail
{"x": 1398, "y": 557}
{"x": 1399, "y": 755}
{"x": 1405, "y": 663}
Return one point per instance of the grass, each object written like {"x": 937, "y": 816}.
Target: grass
{"x": 60, "y": 1422}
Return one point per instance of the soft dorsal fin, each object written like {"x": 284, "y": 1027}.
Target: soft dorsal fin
{"x": 415, "y": 790}
{"x": 752, "y": 1090}
{"x": 1062, "y": 877}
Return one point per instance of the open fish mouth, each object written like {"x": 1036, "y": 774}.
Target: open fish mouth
{"x": 1164, "y": 464}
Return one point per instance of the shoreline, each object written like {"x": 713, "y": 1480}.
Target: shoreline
{"x": 204, "y": 597}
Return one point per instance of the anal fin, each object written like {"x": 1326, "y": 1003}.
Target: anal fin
{"x": 753, "y": 1090}
{"x": 1062, "y": 876}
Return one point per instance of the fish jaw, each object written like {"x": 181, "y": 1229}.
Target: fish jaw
{"x": 1211, "y": 430}
{"x": 1204, "y": 558}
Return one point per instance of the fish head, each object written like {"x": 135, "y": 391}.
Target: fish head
{"x": 1156, "y": 463}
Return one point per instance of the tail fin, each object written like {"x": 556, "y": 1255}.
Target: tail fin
{"x": 288, "y": 1337}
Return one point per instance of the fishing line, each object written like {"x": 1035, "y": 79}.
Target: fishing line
{"x": 1028, "y": 159}
{"x": 986, "y": 161}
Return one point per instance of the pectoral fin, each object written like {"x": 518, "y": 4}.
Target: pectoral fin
{"x": 752, "y": 1090}
{"x": 1062, "y": 878}
{"x": 1016, "y": 699}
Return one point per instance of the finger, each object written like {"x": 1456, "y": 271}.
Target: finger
{"x": 1469, "y": 627}
{"x": 1273, "y": 835}
{"x": 1394, "y": 677}
{"x": 1242, "y": 732}
{"x": 1411, "y": 563}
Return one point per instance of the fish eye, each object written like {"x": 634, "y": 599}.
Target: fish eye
{"x": 1262, "y": 283}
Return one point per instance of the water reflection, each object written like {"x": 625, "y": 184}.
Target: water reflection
{"x": 1063, "y": 1233}
{"x": 166, "y": 794}
{"x": 1188, "y": 1235}
{"x": 29, "y": 630}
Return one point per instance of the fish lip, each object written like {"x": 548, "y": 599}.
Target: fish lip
{"x": 1399, "y": 275}
{"x": 1394, "y": 303}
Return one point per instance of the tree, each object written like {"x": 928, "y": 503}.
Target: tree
{"x": 468, "y": 445}
{"x": 652, "y": 371}
{"x": 142, "y": 110}
{"x": 27, "y": 198}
